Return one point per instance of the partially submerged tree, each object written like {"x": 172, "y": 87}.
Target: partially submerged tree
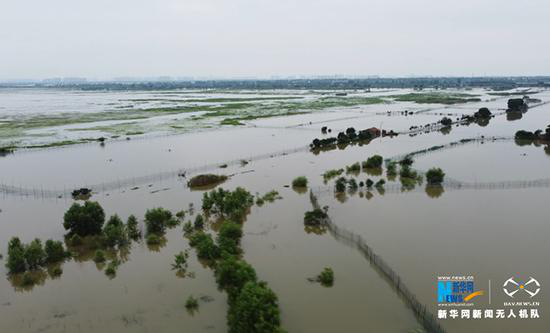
{"x": 435, "y": 176}
{"x": 255, "y": 309}
{"x": 84, "y": 220}
{"x": 373, "y": 162}
{"x": 157, "y": 219}
{"x": 299, "y": 182}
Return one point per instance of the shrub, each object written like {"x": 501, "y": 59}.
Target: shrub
{"x": 114, "y": 233}
{"x": 84, "y": 220}
{"x": 271, "y": 196}
{"x": 352, "y": 184}
{"x": 35, "y": 256}
{"x": 180, "y": 214}
{"x": 255, "y": 309}
{"x": 407, "y": 172}
{"x": 525, "y": 135}
{"x": 483, "y": 113}
{"x": 446, "y": 121}
{"x": 99, "y": 257}
{"x": 191, "y": 303}
{"x": 232, "y": 274}
{"x": 369, "y": 183}
{"x": 406, "y": 161}
{"x": 206, "y": 249}
{"x": 380, "y": 183}
{"x": 373, "y": 162}
{"x": 112, "y": 268}
{"x": 228, "y": 204}
{"x": 180, "y": 261}
{"x": 206, "y": 180}
{"x": 199, "y": 222}
{"x": 435, "y": 176}
{"x": 299, "y": 182}
{"x": 326, "y": 278}
{"x": 55, "y": 252}
{"x": 391, "y": 169}
{"x": 132, "y": 228}
{"x": 187, "y": 227}
{"x": 229, "y": 238}
{"x": 156, "y": 220}
{"x": 328, "y": 175}
{"x": 16, "y": 256}
{"x": 315, "y": 217}
{"x": 340, "y": 184}
{"x": 354, "y": 168}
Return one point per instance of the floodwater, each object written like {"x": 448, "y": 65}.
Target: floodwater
{"x": 491, "y": 234}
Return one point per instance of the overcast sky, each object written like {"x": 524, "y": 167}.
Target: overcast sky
{"x": 236, "y": 38}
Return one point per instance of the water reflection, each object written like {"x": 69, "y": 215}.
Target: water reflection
{"x": 434, "y": 191}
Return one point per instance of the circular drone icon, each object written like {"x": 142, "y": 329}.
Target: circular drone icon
{"x": 531, "y": 287}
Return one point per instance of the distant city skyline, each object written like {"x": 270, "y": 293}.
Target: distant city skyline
{"x": 104, "y": 40}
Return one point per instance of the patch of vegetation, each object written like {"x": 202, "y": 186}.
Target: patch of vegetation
{"x": 157, "y": 219}
{"x": 99, "y": 257}
{"x": 315, "y": 217}
{"x": 254, "y": 309}
{"x": 340, "y": 185}
{"x": 205, "y": 246}
{"x": 191, "y": 304}
{"x": 233, "y": 205}
{"x": 435, "y": 176}
{"x": 206, "y": 180}
{"x": 55, "y": 251}
{"x": 373, "y": 162}
{"x": 326, "y": 277}
{"x": 132, "y": 228}
{"x": 33, "y": 256}
{"x": 268, "y": 197}
{"x": 436, "y": 98}
{"x": 391, "y": 169}
{"x": 328, "y": 175}
{"x": 354, "y": 168}
{"x": 84, "y": 220}
{"x": 231, "y": 122}
{"x": 232, "y": 274}
{"x": 114, "y": 232}
{"x": 180, "y": 261}
{"x": 300, "y": 182}
{"x": 229, "y": 238}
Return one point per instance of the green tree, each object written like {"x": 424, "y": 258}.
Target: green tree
{"x": 84, "y": 220}
{"x": 156, "y": 220}
{"x": 326, "y": 278}
{"x": 206, "y": 248}
{"x": 35, "y": 256}
{"x": 232, "y": 274}
{"x": 255, "y": 309}
{"x": 16, "y": 256}
{"x": 299, "y": 182}
{"x": 132, "y": 228}
{"x": 114, "y": 232}
{"x": 435, "y": 176}
{"x": 373, "y": 162}
{"x": 55, "y": 252}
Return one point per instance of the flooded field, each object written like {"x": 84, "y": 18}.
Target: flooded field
{"x": 488, "y": 219}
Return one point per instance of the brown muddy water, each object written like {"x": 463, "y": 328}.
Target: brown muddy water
{"x": 491, "y": 234}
